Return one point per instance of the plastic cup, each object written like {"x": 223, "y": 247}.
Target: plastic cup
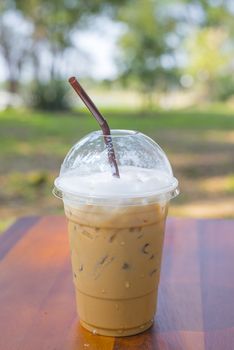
{"x": 116, "y": 237}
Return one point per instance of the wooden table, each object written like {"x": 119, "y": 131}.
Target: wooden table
{"x": 196, "y": 298}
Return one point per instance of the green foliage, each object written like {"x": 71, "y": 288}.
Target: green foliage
{"x": 55, "y": 20}
{"x": 223, "y": 88}
{"x": 149, "y": 60}
{"x": 144, "y": 46}
{"x": 151, "y": 42}
{"x": 215, "y": 13}
{"x": 208, "y": 53}
{"x": 52, "y": 23}
{"x": 51, "y": 96}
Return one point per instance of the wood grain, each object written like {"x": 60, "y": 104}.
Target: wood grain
{"x": 15, "y": 233}
{"x": 196, "y": 295}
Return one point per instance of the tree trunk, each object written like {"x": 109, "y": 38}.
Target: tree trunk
{"x": 13, "y": 86}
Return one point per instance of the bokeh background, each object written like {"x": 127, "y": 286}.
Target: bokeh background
{"x": 164, "y": 67}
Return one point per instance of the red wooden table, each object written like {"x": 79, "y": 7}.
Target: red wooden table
{"x": 196, "y": 298}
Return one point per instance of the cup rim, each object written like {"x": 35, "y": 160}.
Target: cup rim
{"x": 169, "y": 192}
{"x": 117, "y": 133}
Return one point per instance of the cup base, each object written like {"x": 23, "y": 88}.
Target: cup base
{"x": 117, "y": 333}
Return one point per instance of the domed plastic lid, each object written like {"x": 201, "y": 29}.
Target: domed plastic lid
{"x": 145, "y": 172}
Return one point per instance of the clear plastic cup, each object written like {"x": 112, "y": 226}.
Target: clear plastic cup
{"x": 116, "y": 229}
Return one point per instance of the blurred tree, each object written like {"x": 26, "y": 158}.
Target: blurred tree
{"x": 153, "y": 39}
{"x": 50, "y": 96}
{"x": 14, "y": 45}
{"x": 224, "y": 88}
{"x": 150, "y": 43}
{"x": 210, "y": 49}
{"x": 15, "y": 55}
{"x": 146, "y": 58}
{"x": 51, "y": 24}
{"x": 54, "y": 21}
{"x": 208, "y": 54}
{"x": 214, "y": 12}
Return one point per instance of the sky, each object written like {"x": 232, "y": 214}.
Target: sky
{"x": 100, "y": 44}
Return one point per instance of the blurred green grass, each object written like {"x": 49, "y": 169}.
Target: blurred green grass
{"x": 22, "y": 132}
{"x": 200, "y": 145}
{"x": 68, "y": 124}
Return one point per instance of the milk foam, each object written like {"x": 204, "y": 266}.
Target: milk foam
{"x": 133, "y": 182}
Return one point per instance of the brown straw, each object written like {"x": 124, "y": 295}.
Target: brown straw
{"x": 101, "y": 121}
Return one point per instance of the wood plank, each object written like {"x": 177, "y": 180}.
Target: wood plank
{"x": 153, "y": 340}
{"x": 15, "y": 233}
{"x": 28, "y": 275}
{"x": 196, "y": 295}
{"x": 79, "y": 339}
{"x": 180, "y": 254}
{"x": 175, "y": 327}
{"x": 36, "y": 291}
{"x": 180, "y": 279}
{"x": 217, "y": 282}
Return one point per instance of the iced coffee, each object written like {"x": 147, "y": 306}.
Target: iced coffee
{"x": 116, "y": 230}
{"x": 116, "y": 257}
